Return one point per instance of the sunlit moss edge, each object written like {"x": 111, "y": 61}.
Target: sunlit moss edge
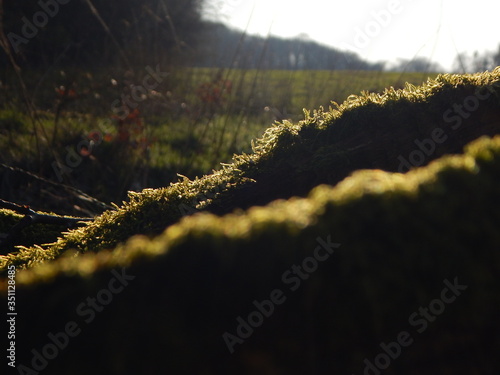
{"x": 437, "y": 189}
{"x": 150, "y": 211}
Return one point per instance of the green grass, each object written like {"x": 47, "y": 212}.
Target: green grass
{"x": 291, "y": 91}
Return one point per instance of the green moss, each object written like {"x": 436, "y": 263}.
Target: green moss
{"x": 366, "y": 131}
{"x": 400, "y": 236}
{"x": 33, "y": 234}
{"x": 434, "y": 192}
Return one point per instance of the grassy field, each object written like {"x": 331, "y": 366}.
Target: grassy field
{"x": 288, "y": 92}
{"x": 79, "y": 135}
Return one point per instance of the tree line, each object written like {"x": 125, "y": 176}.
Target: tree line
{"x": 225, "y": 47}
{"x": 99, "y": 32}
{"x": 105, "y": 33}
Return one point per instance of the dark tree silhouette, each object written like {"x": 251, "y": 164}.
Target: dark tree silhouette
{"x": 107, "y": 31}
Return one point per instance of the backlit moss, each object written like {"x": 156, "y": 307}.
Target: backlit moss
{"x": 368, "y": 131}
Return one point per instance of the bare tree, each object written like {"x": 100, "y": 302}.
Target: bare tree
{"x": 418, "y": 64}
{"x": 477, "y": 61}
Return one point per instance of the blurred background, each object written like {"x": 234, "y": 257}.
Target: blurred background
{"x": 99, "y": 97}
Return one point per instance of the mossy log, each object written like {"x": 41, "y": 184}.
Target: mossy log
{"x": 384, "y": 258}
{"x": 392, "y": 131}
{"x": 29, "y": 235}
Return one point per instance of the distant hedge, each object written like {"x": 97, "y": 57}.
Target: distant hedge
{"x": 385, "y": 271}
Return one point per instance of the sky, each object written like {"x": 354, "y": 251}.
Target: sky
{"x": 377, "y": 30}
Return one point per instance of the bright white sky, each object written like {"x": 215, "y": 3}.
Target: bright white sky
{"x": 435, "y": 29}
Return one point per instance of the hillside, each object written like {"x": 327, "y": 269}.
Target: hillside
{"x": 255, "y": 52}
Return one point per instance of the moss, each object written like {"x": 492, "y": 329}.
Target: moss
{"x": 400, "y": 236}
{"x": 438, "y": 188}
{"x": 33, "y": 234}
{"x": 374, "y": 131}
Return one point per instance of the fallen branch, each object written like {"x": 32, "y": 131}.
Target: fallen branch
{"x": 31, "y": 217}
{"x": 78, "y": 194}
